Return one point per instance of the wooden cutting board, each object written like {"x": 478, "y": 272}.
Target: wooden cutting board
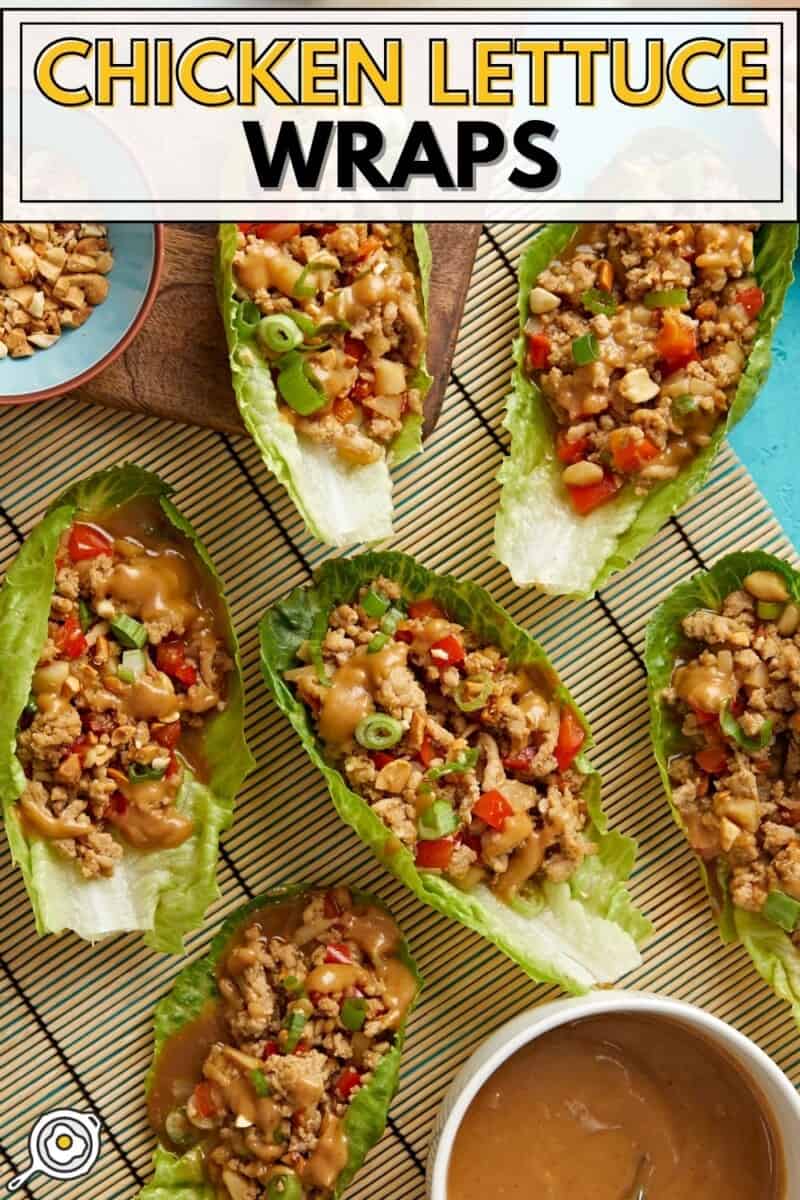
{"x": 177, "y": 367}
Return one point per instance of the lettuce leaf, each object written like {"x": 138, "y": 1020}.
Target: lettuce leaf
{"x": 775, "y": 957}
{"x": 576, "y": 934}
{"x": 182, "y": 1177}
{"x": 164, "y": 893}
{"x": 340, "y": 503}
{"x": 537, "y": 535}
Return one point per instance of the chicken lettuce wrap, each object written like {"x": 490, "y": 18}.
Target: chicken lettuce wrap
{"x": 723, "y": 659}
{"x": 640, "y": 346}
{"x": 121, "y": 724}
{"x": 451, "y": 747}
{"x": 326, "y": 330}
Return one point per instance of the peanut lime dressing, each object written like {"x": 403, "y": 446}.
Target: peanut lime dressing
{"x": 707, "y": 688}
{"x": 353, "y": 686}
{"x": 330, "y": 1155}
{"x": 613, "y": 1104}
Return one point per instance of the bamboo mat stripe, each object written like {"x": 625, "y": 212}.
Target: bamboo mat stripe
{"x": 75, "y": 1020}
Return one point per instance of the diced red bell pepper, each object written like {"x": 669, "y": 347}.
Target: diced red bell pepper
{"x": 404, "y": 635}
{"x": 203, "y": 1099}
{"x": 585, "y": 499}
{"x": 571, "y": 736}
{"x": 382, "y": 759}
{"x": 362, "y": 389}
{"x": 569, "y": 452}
{"x": 751, "y": 300}
{"x": 423, "y": 610}
{"x": 69, "y": 638}
{"x": 343, "y": 409}
{"x": 448, "y": 651}
{"x": 347, "y": 1082}
{"x": 171, "y": 659}
{"x": 88, "y": 541}
{"x": 80, "y": 747}
{"x": 331, "y": 906}
{"x": 270, "y": 1049}
{"x": 337, "y": 952}
{"x": 166, "y": 735}
{"x": 426, "y": 753}
{"x": 493, "y": 809}
{"x": 704, "y": 718}
{"x": 277, "y": 231}
{"x": 628, "y": 455}
{"x": 435, "y": 854}
{"x": 368, "y": 246}
{"x": 676, "y": 343}
{"x": 354, "y": 347}
{"x": 471, "y": 840}
{"x": 713, "y": 759}
{"x": 521, "y": 761}
{"x": 173, "y": 767}
{"x": 538, "y": 351}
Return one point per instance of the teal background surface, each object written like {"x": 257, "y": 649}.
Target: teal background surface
{"x": 768, "y": 439}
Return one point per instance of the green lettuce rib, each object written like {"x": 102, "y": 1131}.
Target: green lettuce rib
{"x": 576, "y": 934}
{"x": 340, "y": 503}
{"x": 163, "y": 893}
{"x": 771, "y": 950}
{"x": 182, "y": 1177}
{"x": 537, "y": 535}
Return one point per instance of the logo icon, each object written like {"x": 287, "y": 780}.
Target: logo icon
{"x": 63, "y": 1144}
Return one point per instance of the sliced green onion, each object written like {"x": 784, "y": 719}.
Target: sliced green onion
{"x": 248, "y": 317}
{"x": 293, "y": 986}
{"x": 260, "y": 1083}
{"x": 671, "y": 298}
{"x": 304, "y": 290}
{"x": 732, "y": 729}
{"x": 304, "y": 323}
{"x": 466, "y": 699}
{"x": 378, "y": 732}
{"x": 391, "y": 619}
{"x": 377, "y": 643}
{"x": 768, "y": 611}
{"x": 585, "y": 349}
{"x": 598, "y": 301}
{"x": 374, "y": 605}
{"x": 279, "y": 1137}
{"x": 782, "y": 910}
{"x": 85, "y": 615}
{"x": 285, "y": 1187}
{"x": 438, "y": 820}
{"x": 278, "y": 333}
{"x": 683, "y": 405}
{"x": 295, "y": 386}
{"x": 353, "y": 1014}
{"x": 134, "y": 664}
{"x": 140, "y": 772}
{"x": 130, "y": 633}
{"x": 294, "y": 1025}
{"x": 458, "y": 766}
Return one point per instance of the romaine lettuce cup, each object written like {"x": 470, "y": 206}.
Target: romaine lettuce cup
{"x": 329, "y": 430}
{"x": 576, "y": 927}
{"x": 120, "y": 756}
{"x": 297, "y": 1090}
{"x": 538, "y": 533}
{"x": 725, "y": 738}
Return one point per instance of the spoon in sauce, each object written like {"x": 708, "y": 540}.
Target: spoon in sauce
{"x": 639, "y": 1189}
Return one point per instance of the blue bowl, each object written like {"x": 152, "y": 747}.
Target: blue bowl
{"x": 79, "y": 354}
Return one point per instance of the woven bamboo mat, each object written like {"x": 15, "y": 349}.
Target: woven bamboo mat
{"x": 75, "y": 1020}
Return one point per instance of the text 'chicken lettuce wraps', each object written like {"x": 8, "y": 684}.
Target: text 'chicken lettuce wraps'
{"x": 278, "y": 1054}
{"x": 121, "y": 740}
{"x": 452, "y": 748}
{"x": 326, "y": 331}
{"x": 640, "y": 346}
{"x": 723, "y": 658}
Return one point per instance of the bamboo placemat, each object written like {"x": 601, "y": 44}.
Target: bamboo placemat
{"x": 75, "y": 1026}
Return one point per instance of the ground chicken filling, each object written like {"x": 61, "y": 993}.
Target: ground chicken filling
{"x": 737, "y": 690}
{"x": 311, "y": 997}
{"x": 638, "y": 335}
{"x": 133, "y": 666}
{"x": 337, "y": 312}
{"x": 467, "y": 759}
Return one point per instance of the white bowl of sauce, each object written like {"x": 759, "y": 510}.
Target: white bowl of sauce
{"x": 617, "y": 1096}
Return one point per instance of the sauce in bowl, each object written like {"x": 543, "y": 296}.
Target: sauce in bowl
{"x": 617, "y": 1107}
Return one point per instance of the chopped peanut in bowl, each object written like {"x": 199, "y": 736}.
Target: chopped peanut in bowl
{"x": 52, "y": 274}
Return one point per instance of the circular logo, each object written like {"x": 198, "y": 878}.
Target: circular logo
{"x": 63, "y": 1144}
